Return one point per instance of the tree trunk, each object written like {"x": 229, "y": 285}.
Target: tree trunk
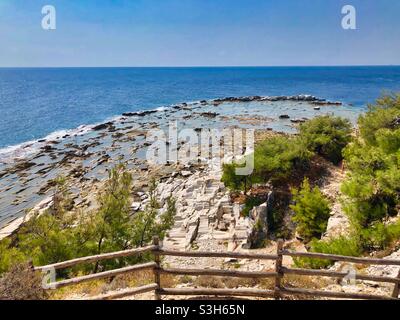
{"x": 96, "y": 266}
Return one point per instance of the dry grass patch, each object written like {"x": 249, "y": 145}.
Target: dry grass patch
{"x": 233, "y": 283}
{"x": 225, "y": 282}
{"x": 22, "y": 283}
{"x": 209, "y": 282}
{"x": 97, "y": 287}
{"x": 168, "y": 280}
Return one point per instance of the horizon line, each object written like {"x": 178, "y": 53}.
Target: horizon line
{"x": 203, "y": 66}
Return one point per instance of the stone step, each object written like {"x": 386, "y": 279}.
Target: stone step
{"x": 241, "y": 234}
{"x": 203, "y": 226}
{"x": 178, "y": 225}
{"x": 211, "y": 191}
{"x": 201, "y": 201}
{"x": 240, "y": 228}
{"x": 177, "y": 235}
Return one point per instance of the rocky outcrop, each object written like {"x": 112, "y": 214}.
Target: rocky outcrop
{"x": 386, "y": 271}
{"x": 338, "y": 223}
{"x": 259, "y": 223}
{"x": 209, "y": 114}
{"x": 301, "y": 97}
{"x": 103, "y": 126}
{"x": 259, "y": 226}
{"x": 327, "y": 103}
{"x": 139, "y": 114}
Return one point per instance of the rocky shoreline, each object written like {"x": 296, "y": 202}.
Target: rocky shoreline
{"x": 207, "y": 218}
{"x": 85, "y": 156}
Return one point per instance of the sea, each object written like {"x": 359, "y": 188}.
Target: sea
{"x": 42, "y": 102}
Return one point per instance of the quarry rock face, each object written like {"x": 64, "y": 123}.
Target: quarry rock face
{"x": 204, "y": 211}
{"x": 259, "y": 222}
{"x": 338, "y": 225}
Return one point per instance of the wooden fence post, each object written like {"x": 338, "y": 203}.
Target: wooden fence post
{"x": 278, "y": 269}
{"x": 395, "y": 293}
{"x": 156, "y": 242}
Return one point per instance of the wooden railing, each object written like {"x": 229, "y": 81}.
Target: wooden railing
{"x": 279, "y": 291}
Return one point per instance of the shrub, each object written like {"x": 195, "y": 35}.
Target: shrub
{"x": 279, "y": 206}
{"x": 372, "y": 186}
{"x": 47, "y": 239}
{"x": 58, "y": 235}
{"x": 9, "y": 256}
{"x": 382, "y": 115}
{"x": 112, "y": 228}
{"x": 393, "y": 231}
{"x": 379, "y": 236}
{"x": 373, "y": 159}
{"x": 311, "y": 211}
{"x": 275, "y": 159}
{"x": 231, "y": 179}
{"x": 145, "y": 224}
{"x": 345, "y": 246}
{"x": 327, "y": 136}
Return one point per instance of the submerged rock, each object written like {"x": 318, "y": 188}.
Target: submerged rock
{"x": 103, "y": 126}
{"x": 327, "y": 103}
{"x": 209, "y": 114}
{"x": 298, "y": 120}
{"x": 138, "y": 114}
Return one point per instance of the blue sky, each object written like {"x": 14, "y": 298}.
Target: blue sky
{"x": 199, "y": 33}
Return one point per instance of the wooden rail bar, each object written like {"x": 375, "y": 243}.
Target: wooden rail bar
{"x": 101, "y": 275}
{"x": 217, "y": 292}
{"x": 235, "y": 255}
{"x": 278, "y": 269}
{"x": 395, "y": 293}
{"x": 157, "y": 276}
{"x": 329, "y": 294}
{"x": 335, "y": 274}
{"x": 89, "y": 259}
{"x": 218, "y": 273}
{"x": 342, "y": 258}
{"x": 125, "y": 293}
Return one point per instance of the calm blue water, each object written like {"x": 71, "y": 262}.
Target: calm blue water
{"x": 36, "y": 102}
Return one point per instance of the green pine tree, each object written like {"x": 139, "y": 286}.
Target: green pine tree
{"x": 311, "y": 211}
